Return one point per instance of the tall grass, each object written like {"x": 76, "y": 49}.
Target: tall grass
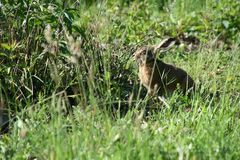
{"x": 70, "y": 85}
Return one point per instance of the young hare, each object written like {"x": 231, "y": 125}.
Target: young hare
{"x": 159, "y": 77}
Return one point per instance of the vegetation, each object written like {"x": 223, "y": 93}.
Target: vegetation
{"x": 69, "y": 84}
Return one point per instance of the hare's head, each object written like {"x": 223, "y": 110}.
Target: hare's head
{"x": 147, "y": 54}
{"x": 144, "y": 55}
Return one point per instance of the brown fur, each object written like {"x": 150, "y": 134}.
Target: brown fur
{"x": 160, "y": 77}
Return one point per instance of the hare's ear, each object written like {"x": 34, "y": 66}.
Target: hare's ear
{"x": 165, "y": 44}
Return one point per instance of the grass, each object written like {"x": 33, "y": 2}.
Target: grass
{"x": 208, "y": 131}
{"x": 84, "y": 52}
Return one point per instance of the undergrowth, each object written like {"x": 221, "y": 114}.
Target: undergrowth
{"x": 70, "y": 89}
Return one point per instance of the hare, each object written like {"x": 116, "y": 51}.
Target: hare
{"x": 159, "y": 77}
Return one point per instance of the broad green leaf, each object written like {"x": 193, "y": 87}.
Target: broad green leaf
{"x": 3, "y": 54}
{"x": 6, "y": 46}
{"x": 225, "y": 24}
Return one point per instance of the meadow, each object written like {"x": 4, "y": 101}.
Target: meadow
{"x": 69, "y": 87}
